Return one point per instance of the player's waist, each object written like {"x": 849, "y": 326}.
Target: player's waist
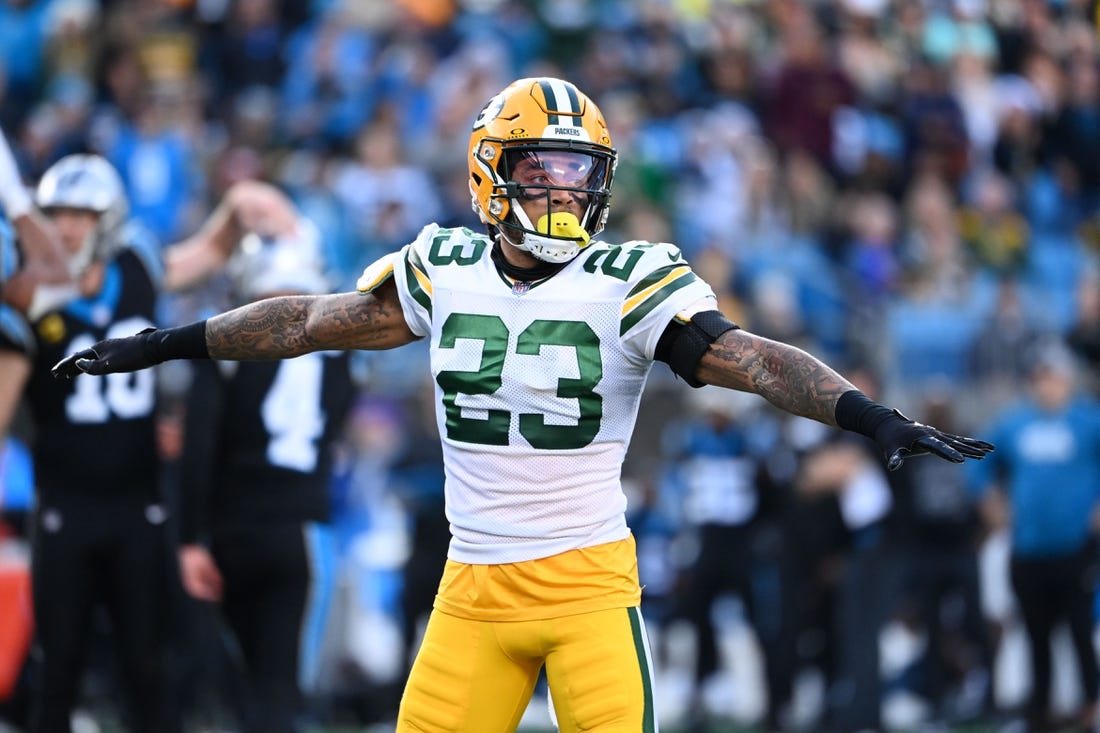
{"x": 490, "y": 541}
{"x": 580, "y": 580}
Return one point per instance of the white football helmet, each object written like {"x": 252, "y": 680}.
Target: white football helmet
{"x": 90, "y": 183}
{"x": 266, "y": 266}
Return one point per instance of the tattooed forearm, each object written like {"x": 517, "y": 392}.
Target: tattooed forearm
{"x": 278, "y": 328}
{"x": 784, "y": 375}
{"x": 267, "y": 329}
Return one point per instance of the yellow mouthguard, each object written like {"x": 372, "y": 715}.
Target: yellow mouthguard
{"x": 562, "y": 224}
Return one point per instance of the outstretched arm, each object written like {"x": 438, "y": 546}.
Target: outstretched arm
{"x": 799, "y": 383}
{"x": 292, "y": 325}
{"x": 784, "y": 375}
{"x": 275, "y": 328}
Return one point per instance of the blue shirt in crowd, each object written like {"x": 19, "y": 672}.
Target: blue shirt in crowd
{"x": 1048, "y": 462}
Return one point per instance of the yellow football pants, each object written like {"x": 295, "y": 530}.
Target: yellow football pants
{"x": 477, "y": 676}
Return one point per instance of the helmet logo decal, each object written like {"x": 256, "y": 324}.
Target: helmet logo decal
{"x": 491, "y": 112}
{"x": 561, "y": 101}
{"x": 71, "y": 178}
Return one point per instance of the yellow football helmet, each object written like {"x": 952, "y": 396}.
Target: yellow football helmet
{"x": 546, "y": 124}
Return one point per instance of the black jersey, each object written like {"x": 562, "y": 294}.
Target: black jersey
{"x": 93, "y": 436}
{"x": 258, "y": 440}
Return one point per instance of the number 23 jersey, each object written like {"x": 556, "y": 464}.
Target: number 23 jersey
{"x": 537, "y": 384}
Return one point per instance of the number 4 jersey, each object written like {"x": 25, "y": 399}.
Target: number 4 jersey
{"x": 93, "y": 435}
{"x": 537, "y": 384}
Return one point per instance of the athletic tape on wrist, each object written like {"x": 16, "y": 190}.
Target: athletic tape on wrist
{"x": 857, "y": 412}
{"x": 182, "y": 342}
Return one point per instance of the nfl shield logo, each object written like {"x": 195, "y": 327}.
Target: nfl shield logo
{"x": 520, "y": 287}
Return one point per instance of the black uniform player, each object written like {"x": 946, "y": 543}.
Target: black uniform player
{"x": 255, "y": 486}
{"x": 98, "y": 530}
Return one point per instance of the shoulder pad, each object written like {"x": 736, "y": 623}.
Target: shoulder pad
{"x": 630, "y": 260}
{"x": 377, "y": 273}
{"x": 426, "y": 235}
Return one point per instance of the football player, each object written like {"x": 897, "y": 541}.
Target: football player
{"x": 541, "y": 338}
{"x": 256, "y": 466}
{"x": 98, "y": 527}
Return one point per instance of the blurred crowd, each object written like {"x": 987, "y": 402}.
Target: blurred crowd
{"x": 912, "y": 186}
{"x": 908, "y": 188}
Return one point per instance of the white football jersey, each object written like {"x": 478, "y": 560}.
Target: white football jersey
{"x": 537, "y": 385}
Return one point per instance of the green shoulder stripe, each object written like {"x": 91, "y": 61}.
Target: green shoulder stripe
{"x": 653, "y": 290}
{"x": 420, "y": 286}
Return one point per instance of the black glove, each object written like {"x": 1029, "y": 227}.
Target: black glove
{"x": 127, "y": 354}
{"x": 144, "y": 349}
{"x": 901, "y": 437}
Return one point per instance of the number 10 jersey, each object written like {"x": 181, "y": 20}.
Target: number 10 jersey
{"x": 537, "y": 384}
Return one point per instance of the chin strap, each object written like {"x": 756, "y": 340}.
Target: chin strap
{"x": 526, "y": 274}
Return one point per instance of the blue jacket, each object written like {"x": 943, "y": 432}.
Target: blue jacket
{"x": 1049, "y": 465}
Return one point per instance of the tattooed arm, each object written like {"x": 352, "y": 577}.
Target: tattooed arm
{"x": 799, "y": 383}
{"x": 292, "y": 325}
{"x": 276, "y": 328}
{"x": 784, "y": 375}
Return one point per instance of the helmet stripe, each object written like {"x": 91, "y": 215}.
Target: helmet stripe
{"x": 561, "y": 98}
{"x": 574, "y": 104}
{"x": 551, "y": 101}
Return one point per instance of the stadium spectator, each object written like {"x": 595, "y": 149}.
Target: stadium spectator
{"x": 712, "y": 477}
{"x": 795, "y": 120}
{"x": 846, "y": 501}
{"x": 99, "y": 525}
{"x": 935, "y": 533}
{"x": 254, "y": 492}
{"x": 417, "y": 477}
{"x": 1084, "y": 334}
{"x": 1048, "y": 472}
{"x": 98, "y": 529}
